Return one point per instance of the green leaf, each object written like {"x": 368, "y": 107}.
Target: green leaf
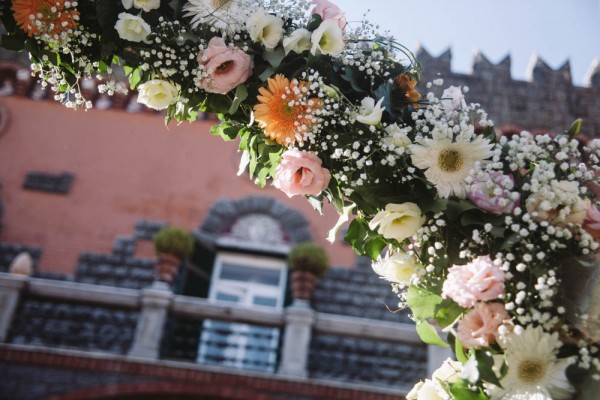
{"x": 314, "y": 22}
{"x": 422, "y": 303}
{"x": 274, "y": 57}
{"x": 447, "y": 312}
{"x": 429, "y": 334}
{"x": 241, "y": 94}
{"x": 458, "y": 348}
{"x": 134, "y": 75}
{"x": 13, "y": 42}
{"x": 460, "y": 390}
{"x": 485, "y": 362}
{"x": 575, "y": 128}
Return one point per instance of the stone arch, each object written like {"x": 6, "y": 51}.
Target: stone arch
{"x": 223, "y": 215}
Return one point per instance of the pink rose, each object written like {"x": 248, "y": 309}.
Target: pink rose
{"x": 592, "y": 221}
{"x": 480, "y": 279}
{"x": 227, "y": 66}
{"x": 301, "y": 173}
{"x": 328, "y": 10}
{"x": 479, "y": 327}
{"x": 492, "y": 193}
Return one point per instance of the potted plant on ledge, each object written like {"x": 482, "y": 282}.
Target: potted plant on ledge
{"x": 172, "y": 245}
{"x": 307, "y": 262}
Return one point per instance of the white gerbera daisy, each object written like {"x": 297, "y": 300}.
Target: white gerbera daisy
{"x": 447, "y": 163}
{"x": 534, "y": 372}
{"x": 225, "y": 15}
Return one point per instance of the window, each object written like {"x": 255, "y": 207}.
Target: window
{"x": 248, "y": 280}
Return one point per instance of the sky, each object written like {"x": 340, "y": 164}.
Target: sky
{"x": 556, "y": 30}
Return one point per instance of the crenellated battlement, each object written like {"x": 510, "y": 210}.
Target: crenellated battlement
{"x": 547, "y": 101}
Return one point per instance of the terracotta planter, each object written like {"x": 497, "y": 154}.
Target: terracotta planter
{"x": 166, "y": 267}
{"x": 303, "y": 284}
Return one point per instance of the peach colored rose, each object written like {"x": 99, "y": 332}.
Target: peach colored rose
{"x": 227, "y": 67}
{"x": 592, "y": 221}
{"x": 329, "y": 10}
{"x": 481, "y": 279}
{"x": 301, "y": 173}
{"x": 479, "y": 328}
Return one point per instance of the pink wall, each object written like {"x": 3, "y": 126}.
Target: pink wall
{"x": 127, "y": 167}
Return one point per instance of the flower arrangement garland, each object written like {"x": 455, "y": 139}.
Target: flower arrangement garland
{"x": 492, "y": 240}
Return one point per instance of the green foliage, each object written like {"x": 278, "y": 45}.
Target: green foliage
{"x": 174, "y": 240}
{"x": 461, "y": 390}
{"x": 309, "y": 257}
{"x": 364, "y": 241}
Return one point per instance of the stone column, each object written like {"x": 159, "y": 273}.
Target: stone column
{"x": 299, "y": 320}
{"x": 155, "y": 302}
{"x": 436, "y": 355}
{"x": 11, "y": 287}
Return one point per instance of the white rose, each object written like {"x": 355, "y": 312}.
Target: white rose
{"x": 298, "y": 41}
{"x": 453, "y": 99}
{"x": 427, "y": 390}
{"x": 157, "y": 94}
{"x": 328, "y": 38}
{"x": 398, "y": 221}
{"x": 369, "y": 112}
{"x": 265, "y": 28}
{"x": 132, "y": 28}
{"x": 399, "y": 268}
{"x": 144, "y": 5}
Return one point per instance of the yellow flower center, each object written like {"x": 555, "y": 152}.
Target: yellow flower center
{"x": 531, "y": 371}
{"x": 450, "y": 160}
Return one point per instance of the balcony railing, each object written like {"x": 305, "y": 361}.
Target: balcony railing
{"x": 153, "y": 305}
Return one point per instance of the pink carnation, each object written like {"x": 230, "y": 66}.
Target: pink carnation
{"x": 227, "y": 66}
{"x": 328, "y": 10}
{"x": 492, "y": 193}
{"x": 301, "y": 173}
{"x": 478, "y": 280}
{"x": 479, "y": 327}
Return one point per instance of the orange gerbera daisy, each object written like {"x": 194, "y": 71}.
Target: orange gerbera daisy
{"x": 284, "y": 111}
{"x": 407, "y": 84}
{"x": 37, "y": 17}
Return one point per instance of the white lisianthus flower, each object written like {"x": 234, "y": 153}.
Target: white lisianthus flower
{"x": 144, "y": 5}
{"x": 398, "y": 268}
{"x": 398, "y": 137}
{"x": 453, "y": 99}
{"x": 533, "y": 368}
{"x": 398, "y": 221}
{"x": 449, "y": 371}
{"x": 470, "y": 371}
{"x": 132, "y": 28}
{"x": 369, "y": 112}
{"x": 328, "y": 39}
{"x": 265, "y": 28}
{"x": 298, "y": 41}
{"x": 157, "y": 94}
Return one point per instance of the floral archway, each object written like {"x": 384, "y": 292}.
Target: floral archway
{"x": 492, "y": 240}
